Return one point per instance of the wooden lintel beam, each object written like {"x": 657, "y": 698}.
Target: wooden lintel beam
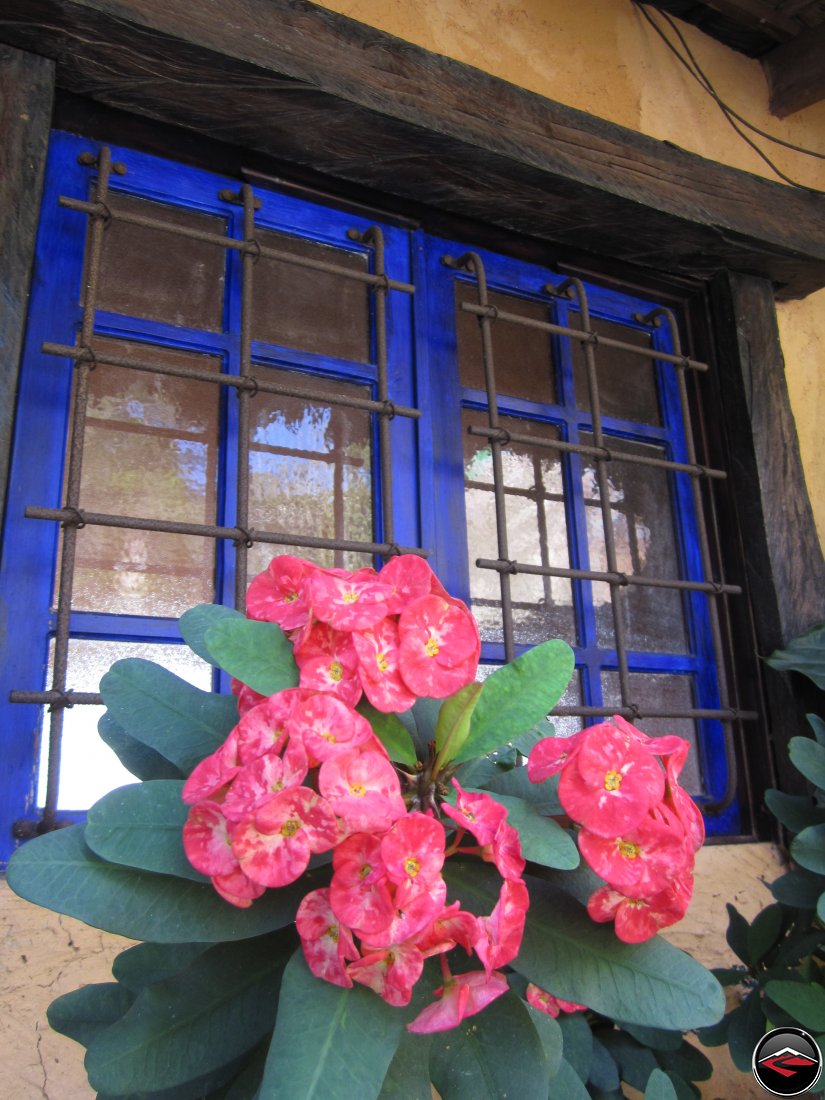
{"x": 796, "y": 72}
{"x": 759, "y": 15}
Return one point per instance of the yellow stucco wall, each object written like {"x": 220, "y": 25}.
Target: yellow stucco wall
{"x": 601, "y": 56}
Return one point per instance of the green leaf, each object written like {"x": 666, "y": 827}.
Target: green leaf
{"x": 820, "y": 908}
{"x": 656, "y": 1038}
{"x": 817, "y": 724}
{"x": 808, "y": 849}
{"x": 60, "y": 872}
{"x": 746, "y": 1028}
{"x": 737, "y": 934}
{"x": 147, "y": 963}
{"x": 652, "y": 984}
{"x": 805, "y": 1001}
{"x": 84, "y": 1012}
{"x": 194, "y": 623}
{"x": 330, "y": 1043}
{"x": 142, "y": 826}
{"x": 137, "y": 758}
{"x": 550, "y": 1036}
{"x": 764, "y": 932}
{"x": 805, "y": 654}
{"x": 516, "y": 783}
{"x": 258, "y": 654}
{"x": 214, "y": 1010}
{"x": 578, "y": 1043}
{"x": 179, "y": 721}
{"x": 604, "y": 1073}
{"x": 660, "y": 1087}
{"x": 636, "y": 1063}
{"x": 517, "y": 696}
{"x": 715, "y": 1036}
{"x": 795, "y": 811}
{"x": 688, "y": 1062}
{"x": 799, "y": 889}
{"x": 543, "y": 840}
{"x": 408, "y": 1076}
{"x": 808, "y": 757}
{"x": 567, "y": 1085}
{"x": 491, "y": 1056}
{"x": 453, "y": 725}
{"x": 420, "y": 721}
{"x": 391, "y": 732}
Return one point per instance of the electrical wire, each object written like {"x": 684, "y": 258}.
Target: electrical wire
{"x": 693, "y": 67}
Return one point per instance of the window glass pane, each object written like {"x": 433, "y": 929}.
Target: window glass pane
{"x": 150, "y": 451}
{"x": 159, "y": 275}
{"x": 311, "y": 310}
{"x": 310, "y": 469}
{"x": 523, "y": 356}
{"x": 88, "y": 767}
{"x": 644, "y": 530}
{"x": 536, "y": 533}
{"x": 627, "y": 382}
{"x": 659, "y": 691}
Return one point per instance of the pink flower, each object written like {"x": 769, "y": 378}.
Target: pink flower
{"x": 413, "y": 850}
{"x": 548, "y": 756}
{"x": 611, "y": 783}
{"x": 499, "y": 935}
{"x": 461, "y": 996}
{"x": 363, "y": 790}
{"x": 639, "y": 918}
{"x": 505, "y": 852}
{"x": 328, "y": 945}
{"x": 450, "y": 928}
{"x": 237, "y": 888}
{"x": 273, "y": 845}
{"x": 213, "y": 773}
{"x": 409, "y": 577}
{"x": 354, "y": 601}
{"x": 326, "y": 726}
{"x": 378, "y": 668}
{"x": 477, "y": 812}
{"x": 640, "y": 861}
{"x": 278, "y": 595}
{"x": 416, "y": 907}
{"x": 391, "y": 972}
{"x": 207, "y": 840}
{"x": 247, "y": 698}
{"x": 439, "y": 646}
{"x": 546, "y": 1002}
{"x": 359, "y": 892}
{"x": 264, "y": 728}
{"x": 259, "y": 780}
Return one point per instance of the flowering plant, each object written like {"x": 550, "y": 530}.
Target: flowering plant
{"x": 355, "y": 814}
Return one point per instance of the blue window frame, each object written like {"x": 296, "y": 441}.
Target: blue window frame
{"x": 440, "y": 494}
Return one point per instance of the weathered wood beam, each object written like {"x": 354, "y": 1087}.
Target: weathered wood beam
{"x": 796, "y": 72}
{"x": 310, "y": 86}
{"x": 759, "y": 15}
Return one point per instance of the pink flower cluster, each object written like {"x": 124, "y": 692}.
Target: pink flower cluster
{"x": 393, "y": 635}
{"x": 639, "y": 829}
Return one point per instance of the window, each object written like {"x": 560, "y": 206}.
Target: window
{"x": 246, "y": 370}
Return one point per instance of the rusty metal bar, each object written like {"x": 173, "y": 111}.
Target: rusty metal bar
{"x": 728, "y": 714}
{"x": 605, "y": 453}
{"x": 615, "y": 578}
{"x": 253, "y": 385}
{"x": 582, "y": 334}
{"x": 97, "y": 209}
{"x": 248, "y": 261}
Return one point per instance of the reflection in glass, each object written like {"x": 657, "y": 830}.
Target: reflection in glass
{"x": 536, "y": 533}
{"x": 644, "y": 532}
{"x": 627, "y": 382}
{"x": 151, "y": 451}
{"x": 88, "y": 767}
{"x": 310, "y": 469}
{"x": 661, "y": 691}
{"x": 523, "y": 356}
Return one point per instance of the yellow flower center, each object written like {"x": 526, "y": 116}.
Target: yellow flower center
{"x": 327, "y": 735}
{"x": 411, "y": 866}
{"x": 290, "y": 597}
{"x": 335, "y": 671}
{"x": 636, "y": 903}
{"x": 365, "y": 870}
{"x": 358, "y": 790}
{"x": 628, "y": 849}
{"x": 332, "y": 932}
{"x": 277, "y": 785}
{"x": 291, "y": 827}
{"x": 382, "y": 662}
{"x": 612, "y": 781}
{"x": 431, "y": 648}
{"x": 350, "y": 597}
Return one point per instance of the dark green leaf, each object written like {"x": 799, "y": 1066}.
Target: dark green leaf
{"x": 746, "y": 1028}
{"x": 817, "y": 724}
{"x": 420, "y": 721}
{"x": 805, "y": 1001}
{"x": 330, "y": 1043}
{"x": 798, "y": 944}
{"x": 60, "y": 872}
{"x": 525, "y": 741}
{"x": 716, "y": 1035}
{"x": 820, "y": 908}
{"x": 408, "y": 1077}
{"x": 203, "y": 1018}
{"x": 194, "y": 623}
{"x": 209, "y": 1086}
{"x": 636, "y": 1063}
{"x": 142, "y": 826}
{"x": 453, "y": 725}
{"x": 805, "y": 654}
{"x": 795, "y": 811}
{"x": 517, "y": 696}
{"x": 543, "y": 796}
{"x": 137, "y": 758}
{"x": 604, "y": 1073}
{"x": 764, "y": 932}
{"x": 391, "y": 732}
{"x": 491, "y": 1056}
{"x": 84, "y": 1012}
{"x": 567, "y": 1085}
{"x": 246, "y": 1084}
{"x": 656, "y": 1038}
{"x": 179, "y": 721}
{"x": 542, "y": 839}
{"x": 738, "y": 934}
{"x": 578, "y": 1043}
{"x": 808, "y": 849}
{"x": 549, "y": 1034}
{"x": 660, "y": 1087}
{"x": 684, "y": 1089}
{"x": 688, "y": 1061}
{"x": 147, "y": 963}
{"x": 258, "y": 654}
{"x": 808, "y": 757}
{"x": 730, "y": 975}
{"x": 799, "y": 889}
